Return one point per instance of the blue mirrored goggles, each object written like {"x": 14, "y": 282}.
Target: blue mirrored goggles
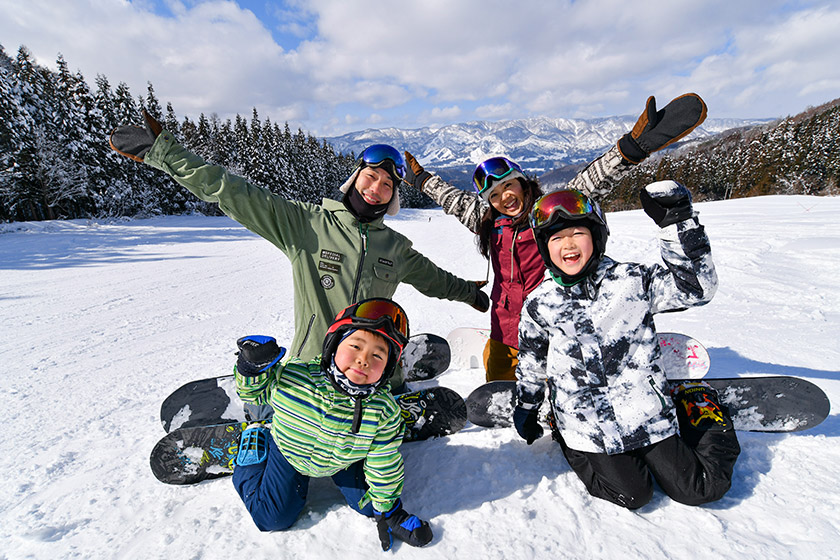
{"x": 379, "y": 154}
{"x": 493, "y": 169}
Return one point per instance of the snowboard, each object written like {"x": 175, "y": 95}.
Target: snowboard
{"x": 190, "y": 455}
{"x": 756, "y": 404}
{"x": 213, "y": 400}
{"x": 682, "y": 357}
{"x": 425, "y": 356}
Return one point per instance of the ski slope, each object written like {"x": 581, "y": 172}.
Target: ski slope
{"x": 101, "y": 321}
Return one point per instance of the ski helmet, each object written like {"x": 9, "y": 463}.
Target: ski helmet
{"x": 493, "y": 170}
{"x": 566, "y": 208}
{"x": 379, "y": 315}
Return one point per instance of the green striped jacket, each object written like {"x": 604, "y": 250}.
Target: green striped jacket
{"x": 312, "y": 427}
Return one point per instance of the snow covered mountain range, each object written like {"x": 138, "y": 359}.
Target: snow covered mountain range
{"x": 539, "y": 144}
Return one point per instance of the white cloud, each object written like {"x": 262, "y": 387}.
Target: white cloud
{"x": 409, "y": 63}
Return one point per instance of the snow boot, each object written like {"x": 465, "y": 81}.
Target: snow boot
{"x": 253, "y": 445}
{"x": 699, "y": 408}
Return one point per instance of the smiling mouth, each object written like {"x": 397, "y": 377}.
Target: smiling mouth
{"x": 571, "y": 258}
{"x": 371, "y": 200}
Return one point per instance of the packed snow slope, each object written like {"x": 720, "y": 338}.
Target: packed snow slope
{"x": 100, "y": 321}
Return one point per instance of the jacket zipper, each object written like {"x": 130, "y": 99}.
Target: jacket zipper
{"x": 306, "y": 336}
{"x": 363, "y": 234}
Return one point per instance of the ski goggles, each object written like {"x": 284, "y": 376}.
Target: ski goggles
{"x": 379, "y": 154}
{"x": 493, "y": 169}
{"x": 376, "y": 314}
{"x": 570, "y": 203}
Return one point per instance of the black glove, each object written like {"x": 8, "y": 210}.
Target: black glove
{"x": 656, "y": 129}
{"x": 398, "y": 523}
{"x": 134, "y": 141}
{"x": 415, "y": 175}
{"x": 526, "y": 423}
{"x": 666, "y": 202}
{"x": 257, "y": 354}
{"x": 482, "y": 302}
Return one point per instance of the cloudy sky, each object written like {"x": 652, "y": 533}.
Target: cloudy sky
{"x": 335, "y": 66}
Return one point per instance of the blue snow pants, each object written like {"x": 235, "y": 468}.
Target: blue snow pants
{"x": 274, "y": 492}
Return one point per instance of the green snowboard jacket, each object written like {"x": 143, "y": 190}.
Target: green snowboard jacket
{"x": 335, "y": 260}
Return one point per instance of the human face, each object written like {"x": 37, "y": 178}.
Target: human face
{"x": 375, "y": 185}
{"x": 571, "y": 248}
{"x": 508, "y": 197}
{"x": 362, "y": 357}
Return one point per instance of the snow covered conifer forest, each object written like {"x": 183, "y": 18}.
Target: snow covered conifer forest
{"x": 55, "y": 162}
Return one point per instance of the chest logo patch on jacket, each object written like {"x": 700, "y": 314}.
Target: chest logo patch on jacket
{"x": 334, "y": 256}
{"x": 386, "y": 262}
{"x": 327, "y": 282}
{"x": 329, "y": 267}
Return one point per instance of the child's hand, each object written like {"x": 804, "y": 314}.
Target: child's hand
{"x": 398, "y": 523}
{"x": 526, "y": 423}
{"x": 666, "y": 202}
{"x": 256, "y": 354}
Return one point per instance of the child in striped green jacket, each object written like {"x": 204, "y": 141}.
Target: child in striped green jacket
{"x": 333, "y": 416}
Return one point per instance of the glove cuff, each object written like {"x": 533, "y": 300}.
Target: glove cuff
{"x": 630, "y": 150}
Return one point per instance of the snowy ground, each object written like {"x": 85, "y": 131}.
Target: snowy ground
{"x": 100, "y": 321}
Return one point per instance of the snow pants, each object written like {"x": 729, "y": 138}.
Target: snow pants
{"x": 274, "y": 492}
{"x": 691, "y": 474}
{"x": 500, "y": 361}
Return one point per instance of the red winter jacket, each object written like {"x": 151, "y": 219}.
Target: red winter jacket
{"x": 517, "y": 270}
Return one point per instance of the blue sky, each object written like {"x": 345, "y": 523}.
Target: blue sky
{"x": 335, "y": 66}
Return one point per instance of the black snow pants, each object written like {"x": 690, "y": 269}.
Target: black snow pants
{"x": 691, "y": 473}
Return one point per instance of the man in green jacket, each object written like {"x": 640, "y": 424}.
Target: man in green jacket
{"x": 341, "y": 252}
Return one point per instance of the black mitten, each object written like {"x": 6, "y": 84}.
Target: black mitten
{"x": 134, "y": 141}
{"x": 257, "y": 354}
{"x": 666, "y": 202}
{"x": 657, "y": 129}
{"x": 399, "y": 523}
{"x": 527, "y": 424}
{"x": 415, "y": 175}
{"x": 482, "y": 301}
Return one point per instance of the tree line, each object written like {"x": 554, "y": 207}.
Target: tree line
{"x": 55, "y": 162}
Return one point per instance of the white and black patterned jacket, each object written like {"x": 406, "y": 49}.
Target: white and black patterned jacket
{"x": 594, "y": 345}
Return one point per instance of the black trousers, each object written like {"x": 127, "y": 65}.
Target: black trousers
{"x": 691, "y": 474}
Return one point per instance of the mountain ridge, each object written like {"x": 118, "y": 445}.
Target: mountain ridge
{"x": 539, "y": 144}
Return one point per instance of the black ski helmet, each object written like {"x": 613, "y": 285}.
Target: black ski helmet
{"x": 567, "y": 208}
{"x": 379, "y": 315}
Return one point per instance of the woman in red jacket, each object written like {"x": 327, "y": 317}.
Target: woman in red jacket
{"x": 497, "y": 212}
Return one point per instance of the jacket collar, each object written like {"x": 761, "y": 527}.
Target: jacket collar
{"x": 343, "y": 214}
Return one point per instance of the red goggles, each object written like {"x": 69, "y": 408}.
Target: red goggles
{"x": 570, "y": 203}
{"x": 376, "y": 313}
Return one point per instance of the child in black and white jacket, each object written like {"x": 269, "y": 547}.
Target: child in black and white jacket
{"x": 587, "y": 335}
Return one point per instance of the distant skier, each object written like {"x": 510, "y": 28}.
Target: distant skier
{"x": 498, "y": 214}
{"x": 332, "y": 417}
{"x": 340, "y": 252}
{"x": 587, "y": 340}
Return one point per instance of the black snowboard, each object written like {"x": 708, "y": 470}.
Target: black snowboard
{"x": 210, "y": 401}
{"x": 756, "y": 404}
{"x": 190, "y": 455}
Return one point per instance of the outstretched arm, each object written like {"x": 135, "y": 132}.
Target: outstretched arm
{"x": 466, "y": 206}
{"x": 653, "y": 131}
